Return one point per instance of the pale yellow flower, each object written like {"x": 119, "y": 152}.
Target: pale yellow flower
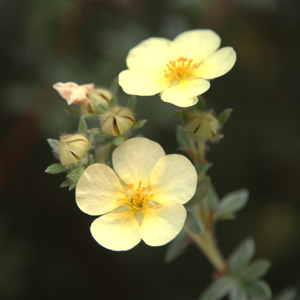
{"x": 141, "y": 200}
{"x": 74, "y": 93}
{"x": 178, "y": 69}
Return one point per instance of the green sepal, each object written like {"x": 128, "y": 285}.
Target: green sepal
{"x": 218, "y": 289}
{"x": 288, "y": 294}
{"x": 55, "y": 168}
{"x": 239, "y": 292}
{"x": 102, "y": 108}
{"x": 72, "y": 186}
{"x": 114, "y": 86}
{"x": 82, "y": 126}
{"x": 75, "y": 174}
{"x": 53, "y": 144}
{"x": 200, "y": 104}
{"x": 232, "y": 203}
{"x": 139, "y": 123}
{"x": 66, "y": 183}
{"x": 201, "y": 192}
{"x": 241, "y": 256}
{"x": 131, "y": 102}
{"x": 224, "y": 115}
{"x": 113, "y": 101}
{"x": 118, "y": 140}
{"x": 259, "y": 290}
{"x": 194, "y": 222}
{"x": 256, "y": 270}
{"x": 177, "y": 247}
{"x": 181, "y": 137}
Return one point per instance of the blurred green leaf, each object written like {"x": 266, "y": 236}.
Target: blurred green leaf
{"x": 256, "y": 270}
{"x": 200, "y": 104}
{"x": 82, "y": 126}
{"x": 102, "y": 108}
{"x": 66, "y": 183}
{"x": 139, "y": 123}
{"x": 241, "y": 257}
{"x": 118, "y": 140}
{"x": 181, "y": 137}
{"x": 131, "y": 102}
{"x": 288, "y": 294}
{"x": 114, "y": 86}
{"x": 194, "y": 222}
{"x": 232, "y": 202}
{"x": 218, "y": 289}
{"x": 259, "y": 290}
{"x": 53, "y": 144}
{"x": 75, "y": 174}
{"x": 55, "y": 168}
{"x": 176, "y": 247}
{"x": 239, "y": 292}
{"x": 91, "y": 159}
{"x": 224, "y": 115}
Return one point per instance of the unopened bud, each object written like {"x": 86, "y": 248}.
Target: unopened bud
{"x": 99, "y": 96}
{"x": 72, "y": 148}
{"x": 202, "y": 124}
{"x": 117, "y": 121}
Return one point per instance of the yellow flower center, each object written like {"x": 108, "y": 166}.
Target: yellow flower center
{"x": 180, "y": 69}
{"x": 137, "y": 200}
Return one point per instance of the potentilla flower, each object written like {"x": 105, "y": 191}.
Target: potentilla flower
{"x": 74, "y": 93}
{"x": 141, "y": 199}
{"x": 178, "y": 69}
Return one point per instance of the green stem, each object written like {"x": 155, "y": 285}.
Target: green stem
{"x": 201, "y": 150}
{"x": 207, "y": 244}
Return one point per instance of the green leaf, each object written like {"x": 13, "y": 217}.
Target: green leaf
{"x": 102, "y": 108}
{"x": 200, "y": 104}
{"x": 218, "y": 289}
{"x": 75, "y": 174}
{"x": 202, "y": 167}
{"x": 66, "y": 183}
{"x": 201, "y": 192}
{"x": 131, "y": 102}
{"x": 239, "y": 292}
{"x": 256, "y": 270}
{"x": 118, "y": 140}
{"x": 82, "y": 126}
{"x": 177, "y": 247}
{"x": 259, "y": 290}
{"x": 224, "y": 115}
{"x": 288, "y": 294}
{"x": 55, "y": 168}
{"x": 114, "y": 86}
{"x": 241, "y": 257}
{"x": 113, "y": 101}
{"x": 194, "y": 222}
{"x": 139, "y": 123}
{"x": 53, "y": 144}
{"x": 181, "y": 137}
{"x": 232, "y": 202}
{"x": 89, "y": 116}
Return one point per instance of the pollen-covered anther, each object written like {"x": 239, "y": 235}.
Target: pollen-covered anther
{"x": 180, "y": 69}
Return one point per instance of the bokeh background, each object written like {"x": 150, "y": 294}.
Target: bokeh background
{"x": 46, "y": 250}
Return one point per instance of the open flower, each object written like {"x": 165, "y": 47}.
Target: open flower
{"x": 74, "y": 93}
{"x": 178, "y": 69}
{"x": 141, "y": 200}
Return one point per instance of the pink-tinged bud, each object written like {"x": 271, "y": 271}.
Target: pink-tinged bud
{"x": 74, "y": 93}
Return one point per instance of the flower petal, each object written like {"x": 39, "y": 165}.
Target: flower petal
{"x": 134, "y": 160}
{"x": 116, "y": 231}
{"x": 184, "y": 94}
{"x": 217, "y": 64}
{"x": 162, "y": 223}
{"x": 98, "y": 189}
{"x": 151, "y": 54}
{"x": 197, "y": 44}
{"x": 173, "y": 178}
{"x": 139, "y": 82}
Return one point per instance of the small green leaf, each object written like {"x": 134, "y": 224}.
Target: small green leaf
{"x": 102, "y": 108}
{"x": 201, "y": 192}
{"x": 241, "y": 257}
{"x": 181, "y": 137}
{"x": 177, "y": 246}
{"x": 55, "y": 168}
{"x": 75, "y": 174}
{"x": 259, "y": 290}
{"x": 194, "y": 222}
{"x": 224, "y": 115}
{"x": 232, "y": 202}
{"x": 139, "y": 123}
{"x": 200, "y": 104}
{"x": 218, "y": 289}
{"x": 82, "y": 126}
{"x": 53, "y": 144}
{"x": 114, "y": 86}
{"x": 66, "y": 183}
{"x": 118, "y": 140}
{"x": 131, "y": 102}
{"x": 288, "y": 294}
{"x": 256, "y": 270}
{"x": 72, "y": 186}
{"x": 239, "y": 292}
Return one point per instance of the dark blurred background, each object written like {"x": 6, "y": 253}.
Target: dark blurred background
{"x": 46, "y": 250}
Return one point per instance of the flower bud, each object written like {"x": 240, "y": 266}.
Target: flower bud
{"x": 117, "y": 121}
{"x": 99, "y": 96}
{"x": 72, "y": 148}
{"x": 202, "y": 124}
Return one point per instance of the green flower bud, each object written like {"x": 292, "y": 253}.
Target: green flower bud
{"x": 72, "y": 148}
{"x": 117, "y": 121}
{"x": 202, "y": 124}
